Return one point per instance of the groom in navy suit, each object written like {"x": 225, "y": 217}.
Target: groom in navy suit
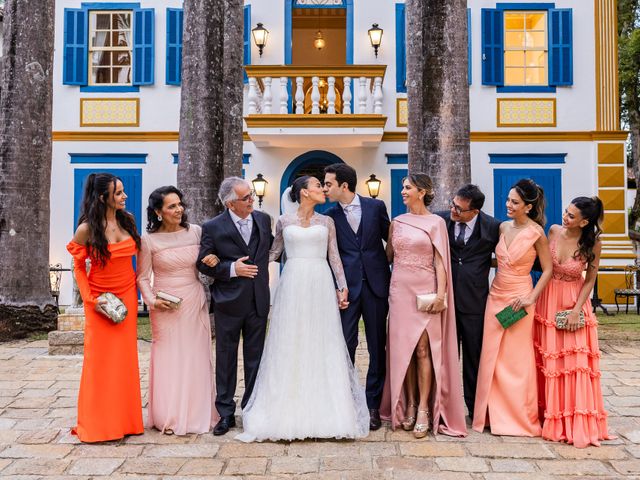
{"x": 362, "y": 224}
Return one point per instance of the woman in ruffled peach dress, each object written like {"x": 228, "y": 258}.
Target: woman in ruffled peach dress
{"x": 506, "y": 395}
{"x": 570, "y": 397}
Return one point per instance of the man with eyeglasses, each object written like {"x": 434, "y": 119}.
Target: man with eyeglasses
{"x": 473, "y": 236}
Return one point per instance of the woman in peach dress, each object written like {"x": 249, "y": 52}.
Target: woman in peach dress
{"x": 507, "y": 395}
{"x": 423, "y": 384}
{"x": 570, "y": 397}
{"x": 109, "y": 401}
{"x": 181, "y": 388}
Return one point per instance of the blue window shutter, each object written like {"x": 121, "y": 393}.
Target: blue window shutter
{"x": 397, "y": 207}
{"x": 560, "y": 47}
{"x": 174, "y": 46}
{"x": 143, "y": 46}
{"x": 492, "y": 47}
{"x": 246, "y": 38}
{"x": 469, "y": 74}
{"x": 76, "y": 43}
{"x": 401, "y": 50}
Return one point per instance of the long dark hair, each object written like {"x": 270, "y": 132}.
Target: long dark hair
{"x": 93, "y": 211}
{"x": 156, "y": 201}
{"x": 298, "y": 185}
{"x": 532, "y": 194}
{"x": 591, "y": 210}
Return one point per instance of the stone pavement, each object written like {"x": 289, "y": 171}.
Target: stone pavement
{"x": 37, "y": 408}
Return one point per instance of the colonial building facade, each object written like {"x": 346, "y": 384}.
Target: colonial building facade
{"x": 542, "y": 87}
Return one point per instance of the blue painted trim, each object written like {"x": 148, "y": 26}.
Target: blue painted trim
{"x": 525, "y": 6}
{"x": 108, "y": 157}
{"x": 75, "y": 56}
{"x": 110, "y": 88}
{"x": 397, "y": 207}
{"x": 246, "y": 158}
{"x": 527, "y": 158}
{"x": 401, "y": 50}
{"x": 526, "y": 89}
{"x": 288, "y": 7}
{"x": 349, "y": 33}
{"x": 397, "y": 158}
{"x": 173, "y": 53}
{"x": 246, "y": 40}
{"x": 175, "y": 158}
{"x": 110, "y": 6}
{"x": 144, "y": 46}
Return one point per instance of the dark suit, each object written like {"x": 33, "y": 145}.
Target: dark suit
{"x": 367, "y": 271}
{"x": 240, "y": 305}
{"x": 470, "y": 265}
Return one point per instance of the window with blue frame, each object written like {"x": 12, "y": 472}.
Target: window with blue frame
{"x": 108, "y": 47}
{"x": 527, "y": 47}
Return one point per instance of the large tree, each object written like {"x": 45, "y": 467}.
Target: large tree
{"x": 211, "y": 107}
{"x": 438, "y": 93}
{"x": 26, "y": 303}
{"x": 629, "y": 79}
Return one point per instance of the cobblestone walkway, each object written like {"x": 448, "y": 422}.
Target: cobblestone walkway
{"x": 37, "y": 408}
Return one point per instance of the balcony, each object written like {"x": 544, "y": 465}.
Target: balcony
{"x": 311, "y": 106}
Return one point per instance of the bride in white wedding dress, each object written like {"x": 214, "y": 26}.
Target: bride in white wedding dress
{"x": 306, "y": 386}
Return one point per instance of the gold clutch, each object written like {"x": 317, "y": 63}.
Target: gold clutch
{"x": 172, "y": 299}
{"x": 425, "y": 300}
{"x": 562, "y": 319}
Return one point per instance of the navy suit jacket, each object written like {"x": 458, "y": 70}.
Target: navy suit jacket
{"x": 233, "y": 295}
{"x": 362, "y": 254}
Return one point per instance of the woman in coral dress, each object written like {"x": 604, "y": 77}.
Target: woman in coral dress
{"x": 423, "y": 371}
{"x": 181, "y": 388}
{"x": 570, "y": 397}
{"x": 109, "y": 403}
{"x": 507, "y": 395}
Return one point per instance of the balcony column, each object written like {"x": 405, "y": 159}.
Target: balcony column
{"x": 267, "y": 96}
{"x": 346, "y": 96}
{"x": 284, "y": 95}
{"x": 253, "y": 95}
{"x": 299, "y": 95}
{"x": 315, "y": 96}
{"x": 362, "y": 95}
{"x": 377, "y": 96}
{"x": 331, "y": 95}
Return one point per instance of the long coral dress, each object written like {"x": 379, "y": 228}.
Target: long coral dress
{"x": 181, "y": 389}
{"x": 507, "y": 395}
{"x": 109, "y": 401}
{"x": 569, "y": 362}
{"x": 415, "y": 239}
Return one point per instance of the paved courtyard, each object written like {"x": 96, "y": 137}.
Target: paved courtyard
{"x": 37, "y": 408}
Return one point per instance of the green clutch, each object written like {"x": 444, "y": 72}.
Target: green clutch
{"x": 508, "y": 316}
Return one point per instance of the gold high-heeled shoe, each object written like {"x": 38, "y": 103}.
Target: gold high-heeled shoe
{"x": 420, "y": 429}
{"x": 409, "y": 421}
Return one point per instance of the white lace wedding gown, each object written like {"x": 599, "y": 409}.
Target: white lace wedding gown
{"x": 306, "y": 386}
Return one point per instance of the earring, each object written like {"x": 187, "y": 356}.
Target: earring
{"x": 159, "y": 218}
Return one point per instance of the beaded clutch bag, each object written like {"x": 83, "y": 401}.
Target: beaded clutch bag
{"x": 562, "y": 319}
{"x": 114, "y": 308}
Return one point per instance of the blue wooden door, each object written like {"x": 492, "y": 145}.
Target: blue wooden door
{"x": 397, "y": 207}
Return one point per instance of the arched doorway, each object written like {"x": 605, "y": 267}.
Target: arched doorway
{"x": 311, "y": 163}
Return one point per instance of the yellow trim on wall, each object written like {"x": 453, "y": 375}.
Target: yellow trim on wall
{"x": 606, "y": 60}
{"x": 607, "y": 282}
{"x": 93, "y": 136}
{"x": 611, "y": 153}
{"x": 84, "y": 123}
{"x": 612, "y": 199}
{"x": 320, "y": 121}
{"x": 614, "y": 222}
{"x": 611, "y": 176}
{"x": 554, "y": 136}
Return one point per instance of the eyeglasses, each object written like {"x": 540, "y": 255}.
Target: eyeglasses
{"x": 247, "y": 197}
{"x": 458, "y": 208}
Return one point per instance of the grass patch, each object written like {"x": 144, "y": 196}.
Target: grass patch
{"x": 621, "y": 326}
{"x": 144, "y": 328}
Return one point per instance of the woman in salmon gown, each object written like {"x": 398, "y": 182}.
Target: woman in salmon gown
{"x": 109, "y": 402}
{"x": 570, "y": 397}
{"x": 422, "y": 351}
{"x": 507, "y": 395}
{"x": 181, "y": 388}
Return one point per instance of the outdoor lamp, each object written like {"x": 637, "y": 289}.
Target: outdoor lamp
{"x": 375, "y": 35}
{"x": 373, "y": 185}
{"x": 319, "y": 42}
{"x": 260, "y": 36}
{"x": 259, "y": 186}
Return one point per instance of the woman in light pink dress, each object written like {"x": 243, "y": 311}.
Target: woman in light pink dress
{"x": 181, "y": 388}
{"x": 570, "y": 397}
{"x": 423, "y": 370}
{"x": 507, "y": 395}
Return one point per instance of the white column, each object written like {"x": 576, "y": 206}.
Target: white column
{"x": 331, "y": 95}
{"x": 299, "y": 95}
{"x": 284, "y": 95}
{"x": 267, "y": 96}
{"x": 362, "y": 95}
{"x": 253, "y": 95}
{"x": 346, "y": 96}
{"x": 377, "y": 96}
{"x": 315, "y": 96}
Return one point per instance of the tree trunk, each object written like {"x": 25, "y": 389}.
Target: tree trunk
{"x": 634, "y": 162}
{"x": 210, "y": 146}
{"x": 26, "y": 304}
{"x": 438, "y": 92}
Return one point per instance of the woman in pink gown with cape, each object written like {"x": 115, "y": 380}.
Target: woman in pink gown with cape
{"x": 420, "y": 247}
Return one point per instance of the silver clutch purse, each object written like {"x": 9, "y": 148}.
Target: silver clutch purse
{"x": 425, "y": 300}
{"x": 562, "y": 319}
{"x": 114, "y": 308}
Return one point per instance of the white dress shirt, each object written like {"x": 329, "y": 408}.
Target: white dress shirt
{"x": 355, "y": 208}
{"x": 236, "y": 218}
{"x": 471, "y": 224}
